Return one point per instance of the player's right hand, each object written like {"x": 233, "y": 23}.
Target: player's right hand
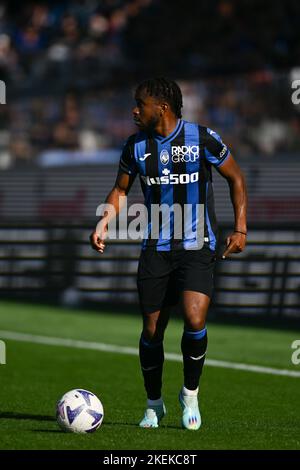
{"x": 97, "y": 241}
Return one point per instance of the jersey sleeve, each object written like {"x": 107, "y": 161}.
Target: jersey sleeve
{"x": 127, "y": 161}
{"x": 216, "y": 151}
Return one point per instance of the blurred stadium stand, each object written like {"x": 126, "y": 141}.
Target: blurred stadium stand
{"x": 53, "y": 262}
{"x": 70, "y": 68}
{"x": 73, "y": 193}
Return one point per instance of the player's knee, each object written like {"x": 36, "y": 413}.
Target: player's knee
{"x": 152, "y": 332}
{"x": 153, "y": 327}
{"x": 194, "y": 320}
{"x": 194, "y": 324}
{"x": 195, "y": 316}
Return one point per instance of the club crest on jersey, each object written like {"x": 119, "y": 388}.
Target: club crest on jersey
{"x": 164, "y": 157}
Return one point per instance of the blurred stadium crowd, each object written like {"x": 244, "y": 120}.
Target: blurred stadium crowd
{"x": 70, "y": 67}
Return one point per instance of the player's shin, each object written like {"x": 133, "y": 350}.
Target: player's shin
{"x": 152, "y": 359}
{"x": 193, "y": 347}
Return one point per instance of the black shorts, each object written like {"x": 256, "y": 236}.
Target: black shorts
{"x": 163, "y": 275}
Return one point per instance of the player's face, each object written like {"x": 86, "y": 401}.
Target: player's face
{"x": 147, "y": 112}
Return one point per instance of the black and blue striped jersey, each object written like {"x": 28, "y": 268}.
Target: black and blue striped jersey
{"x": 177, "y": 170}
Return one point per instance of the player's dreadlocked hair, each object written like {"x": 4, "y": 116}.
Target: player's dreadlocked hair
{"x": 165, "y": 89}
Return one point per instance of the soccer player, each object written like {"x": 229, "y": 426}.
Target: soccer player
{"x": 173, "y": 159}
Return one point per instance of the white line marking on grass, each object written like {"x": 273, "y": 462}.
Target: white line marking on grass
{"x": 73, "y": 343}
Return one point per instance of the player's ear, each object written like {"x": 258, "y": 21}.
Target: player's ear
{"x": 164, "y": 107}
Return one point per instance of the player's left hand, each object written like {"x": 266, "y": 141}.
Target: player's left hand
{"x": 235, "y": 243}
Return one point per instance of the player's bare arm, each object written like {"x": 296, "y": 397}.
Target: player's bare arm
{"x": 230, "y": 170}
{"x": 114, "y": 201}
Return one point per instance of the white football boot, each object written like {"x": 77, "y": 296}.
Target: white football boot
{"x": 191, "y": 418}
{"x": 153, "y": 415}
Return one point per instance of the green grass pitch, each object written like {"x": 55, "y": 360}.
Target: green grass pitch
{"x": 240, "y": 409}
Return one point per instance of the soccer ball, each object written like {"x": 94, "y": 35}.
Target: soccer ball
{"x": 79, "y": 411}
